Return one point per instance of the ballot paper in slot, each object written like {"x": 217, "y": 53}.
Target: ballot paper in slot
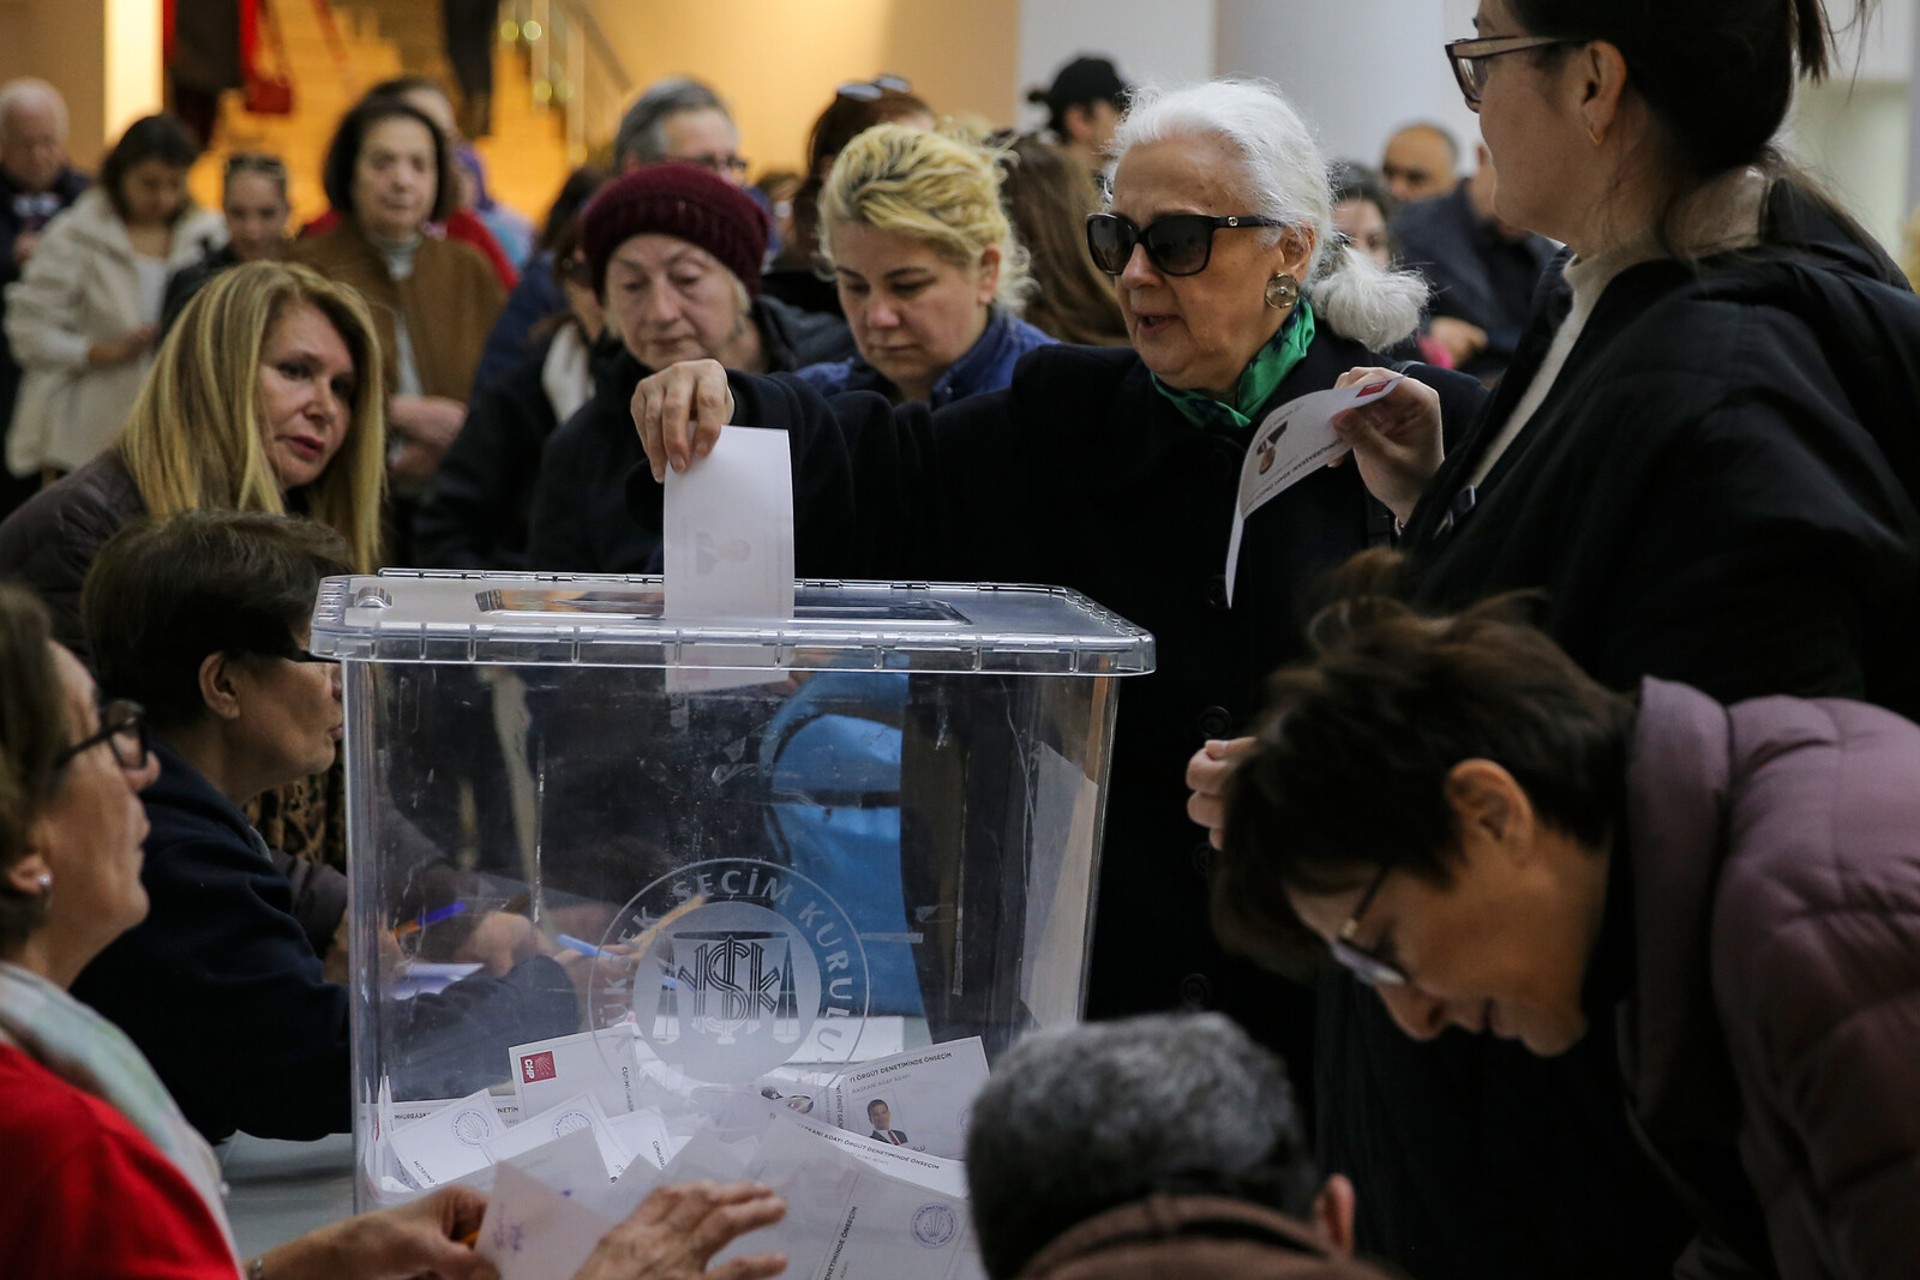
{"x": 860, "y": 1208}
{"x": 727, "y": 552}
{"x": 1290, "y": 444}
{"x": 920, "y": 1100}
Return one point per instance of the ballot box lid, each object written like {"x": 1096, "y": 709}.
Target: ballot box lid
{"x": 610, "y": 620}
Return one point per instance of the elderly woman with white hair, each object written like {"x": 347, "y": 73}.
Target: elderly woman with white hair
{"x": 1115, "y": 472}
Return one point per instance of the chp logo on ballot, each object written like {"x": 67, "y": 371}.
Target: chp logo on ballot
{"x": 766, "y": 970}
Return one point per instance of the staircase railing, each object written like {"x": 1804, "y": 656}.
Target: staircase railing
{"x": 575, "y": 68}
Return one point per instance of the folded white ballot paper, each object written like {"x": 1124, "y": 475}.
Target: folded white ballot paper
{"x": 727, "y": 547}
{"x": 448, "y": 1144}
{"x": 859, "y": 1208}
{"x": 916, "y": 1101}
{"x": 1289, "y": 445}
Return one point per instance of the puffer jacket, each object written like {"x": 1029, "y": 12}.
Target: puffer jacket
{"x": 81, "y": 287}
{"x": 1770, "y": 1046}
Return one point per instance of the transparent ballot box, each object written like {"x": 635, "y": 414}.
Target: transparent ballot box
{"x": 657, "y": 876}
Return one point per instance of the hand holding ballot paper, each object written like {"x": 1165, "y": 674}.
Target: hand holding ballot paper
{"x": 1297, "y": 439}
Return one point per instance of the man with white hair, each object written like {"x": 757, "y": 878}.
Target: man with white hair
{"x": 36, "y": 182}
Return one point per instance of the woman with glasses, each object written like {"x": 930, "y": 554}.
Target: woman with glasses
{"x": 254, "y": 203}
{"x": 105, "y": 1177}
{"x": 1704, "y": 456}
{"x": 930, "y": 277}
{"x": 1492, "y": 842}
{"x": 201, "y": 620}
{"x": 1116, "y": 472}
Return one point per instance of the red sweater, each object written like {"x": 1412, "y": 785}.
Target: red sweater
{"x": 88, "y": 1195}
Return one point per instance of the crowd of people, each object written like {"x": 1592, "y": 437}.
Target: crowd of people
{"x": 1566, "y": 862}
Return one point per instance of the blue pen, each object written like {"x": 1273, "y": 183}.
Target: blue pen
{"x": 584, "y": 947}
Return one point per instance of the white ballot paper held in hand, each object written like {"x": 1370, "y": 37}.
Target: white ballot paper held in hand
{"x": 548, "y": 1209}
{"x": 858, "y": 1208}
{"x": 1292, "y": 443}
{"x": 727, "y": 544}
{"x": 918, "y": 1100}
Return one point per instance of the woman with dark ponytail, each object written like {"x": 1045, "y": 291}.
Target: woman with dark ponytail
{"x": 1705, "y": 455}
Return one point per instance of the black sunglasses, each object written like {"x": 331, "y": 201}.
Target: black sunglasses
{"x": 307, "y": 656}
{"x": 1371, "y": 969}
{"x": 1180, "y": 244}
{"x": 1469, "y": 59}
{"x": 123, "y": 727}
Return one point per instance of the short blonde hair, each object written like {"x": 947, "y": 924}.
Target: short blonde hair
{"x": 929, "y": 185}
{"x": 193, "y": 441}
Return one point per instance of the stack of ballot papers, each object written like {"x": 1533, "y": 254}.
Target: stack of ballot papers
{"x": 868, "y": 1157}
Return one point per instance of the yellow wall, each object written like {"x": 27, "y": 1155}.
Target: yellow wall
{"x": 777, "y": 61}
{"x": 66, "y": 42}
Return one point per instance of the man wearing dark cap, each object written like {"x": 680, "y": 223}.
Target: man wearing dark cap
{"x": 1083, "y": 106}
{"x": 674, "y": 253}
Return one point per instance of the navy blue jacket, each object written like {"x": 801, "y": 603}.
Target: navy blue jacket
{"x": 536, "y": 296}
{"x": 986, "y": 366}
{"x": 222, "y": 990}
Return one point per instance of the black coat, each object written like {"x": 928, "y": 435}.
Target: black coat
{"x": 579, "y": 522}
{"x": 222, "y": 991}
{"x": 1081, "y": 474}
{"x": 480, "y": 510}
{"x": 1717, "y": 491}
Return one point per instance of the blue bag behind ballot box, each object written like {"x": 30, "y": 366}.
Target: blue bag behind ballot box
{"x": 807, "y": 842}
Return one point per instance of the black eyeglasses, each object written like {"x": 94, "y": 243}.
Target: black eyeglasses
{"x": 1470, "y": 57}
{"x": 1356, "y": 959}
{"x": 307, "y": 656}
{"x": 719, "y": 164}
{"x": 1180, "y": 244}
{"x": 123, "y": 727}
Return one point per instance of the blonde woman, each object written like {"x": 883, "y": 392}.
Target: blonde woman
{"x": 930, "y": 276}
{"x": 265, "y": 396}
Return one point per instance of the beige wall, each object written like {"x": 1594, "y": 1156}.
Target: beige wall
{"x": 777, "y": 61}
{"x": 66, "y": 42}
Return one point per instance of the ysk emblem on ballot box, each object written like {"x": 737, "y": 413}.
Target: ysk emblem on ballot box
{"x": 767, "y": 970}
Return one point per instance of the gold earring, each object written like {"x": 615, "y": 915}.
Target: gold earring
{"x": 1283, "y": 291}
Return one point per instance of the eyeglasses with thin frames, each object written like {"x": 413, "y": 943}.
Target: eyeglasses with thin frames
{"x": 1469, "y": 59}
{"x": 1180, "y": 244}
{"x": 1358, "y": 960}
{"x": 123, "y": 727}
